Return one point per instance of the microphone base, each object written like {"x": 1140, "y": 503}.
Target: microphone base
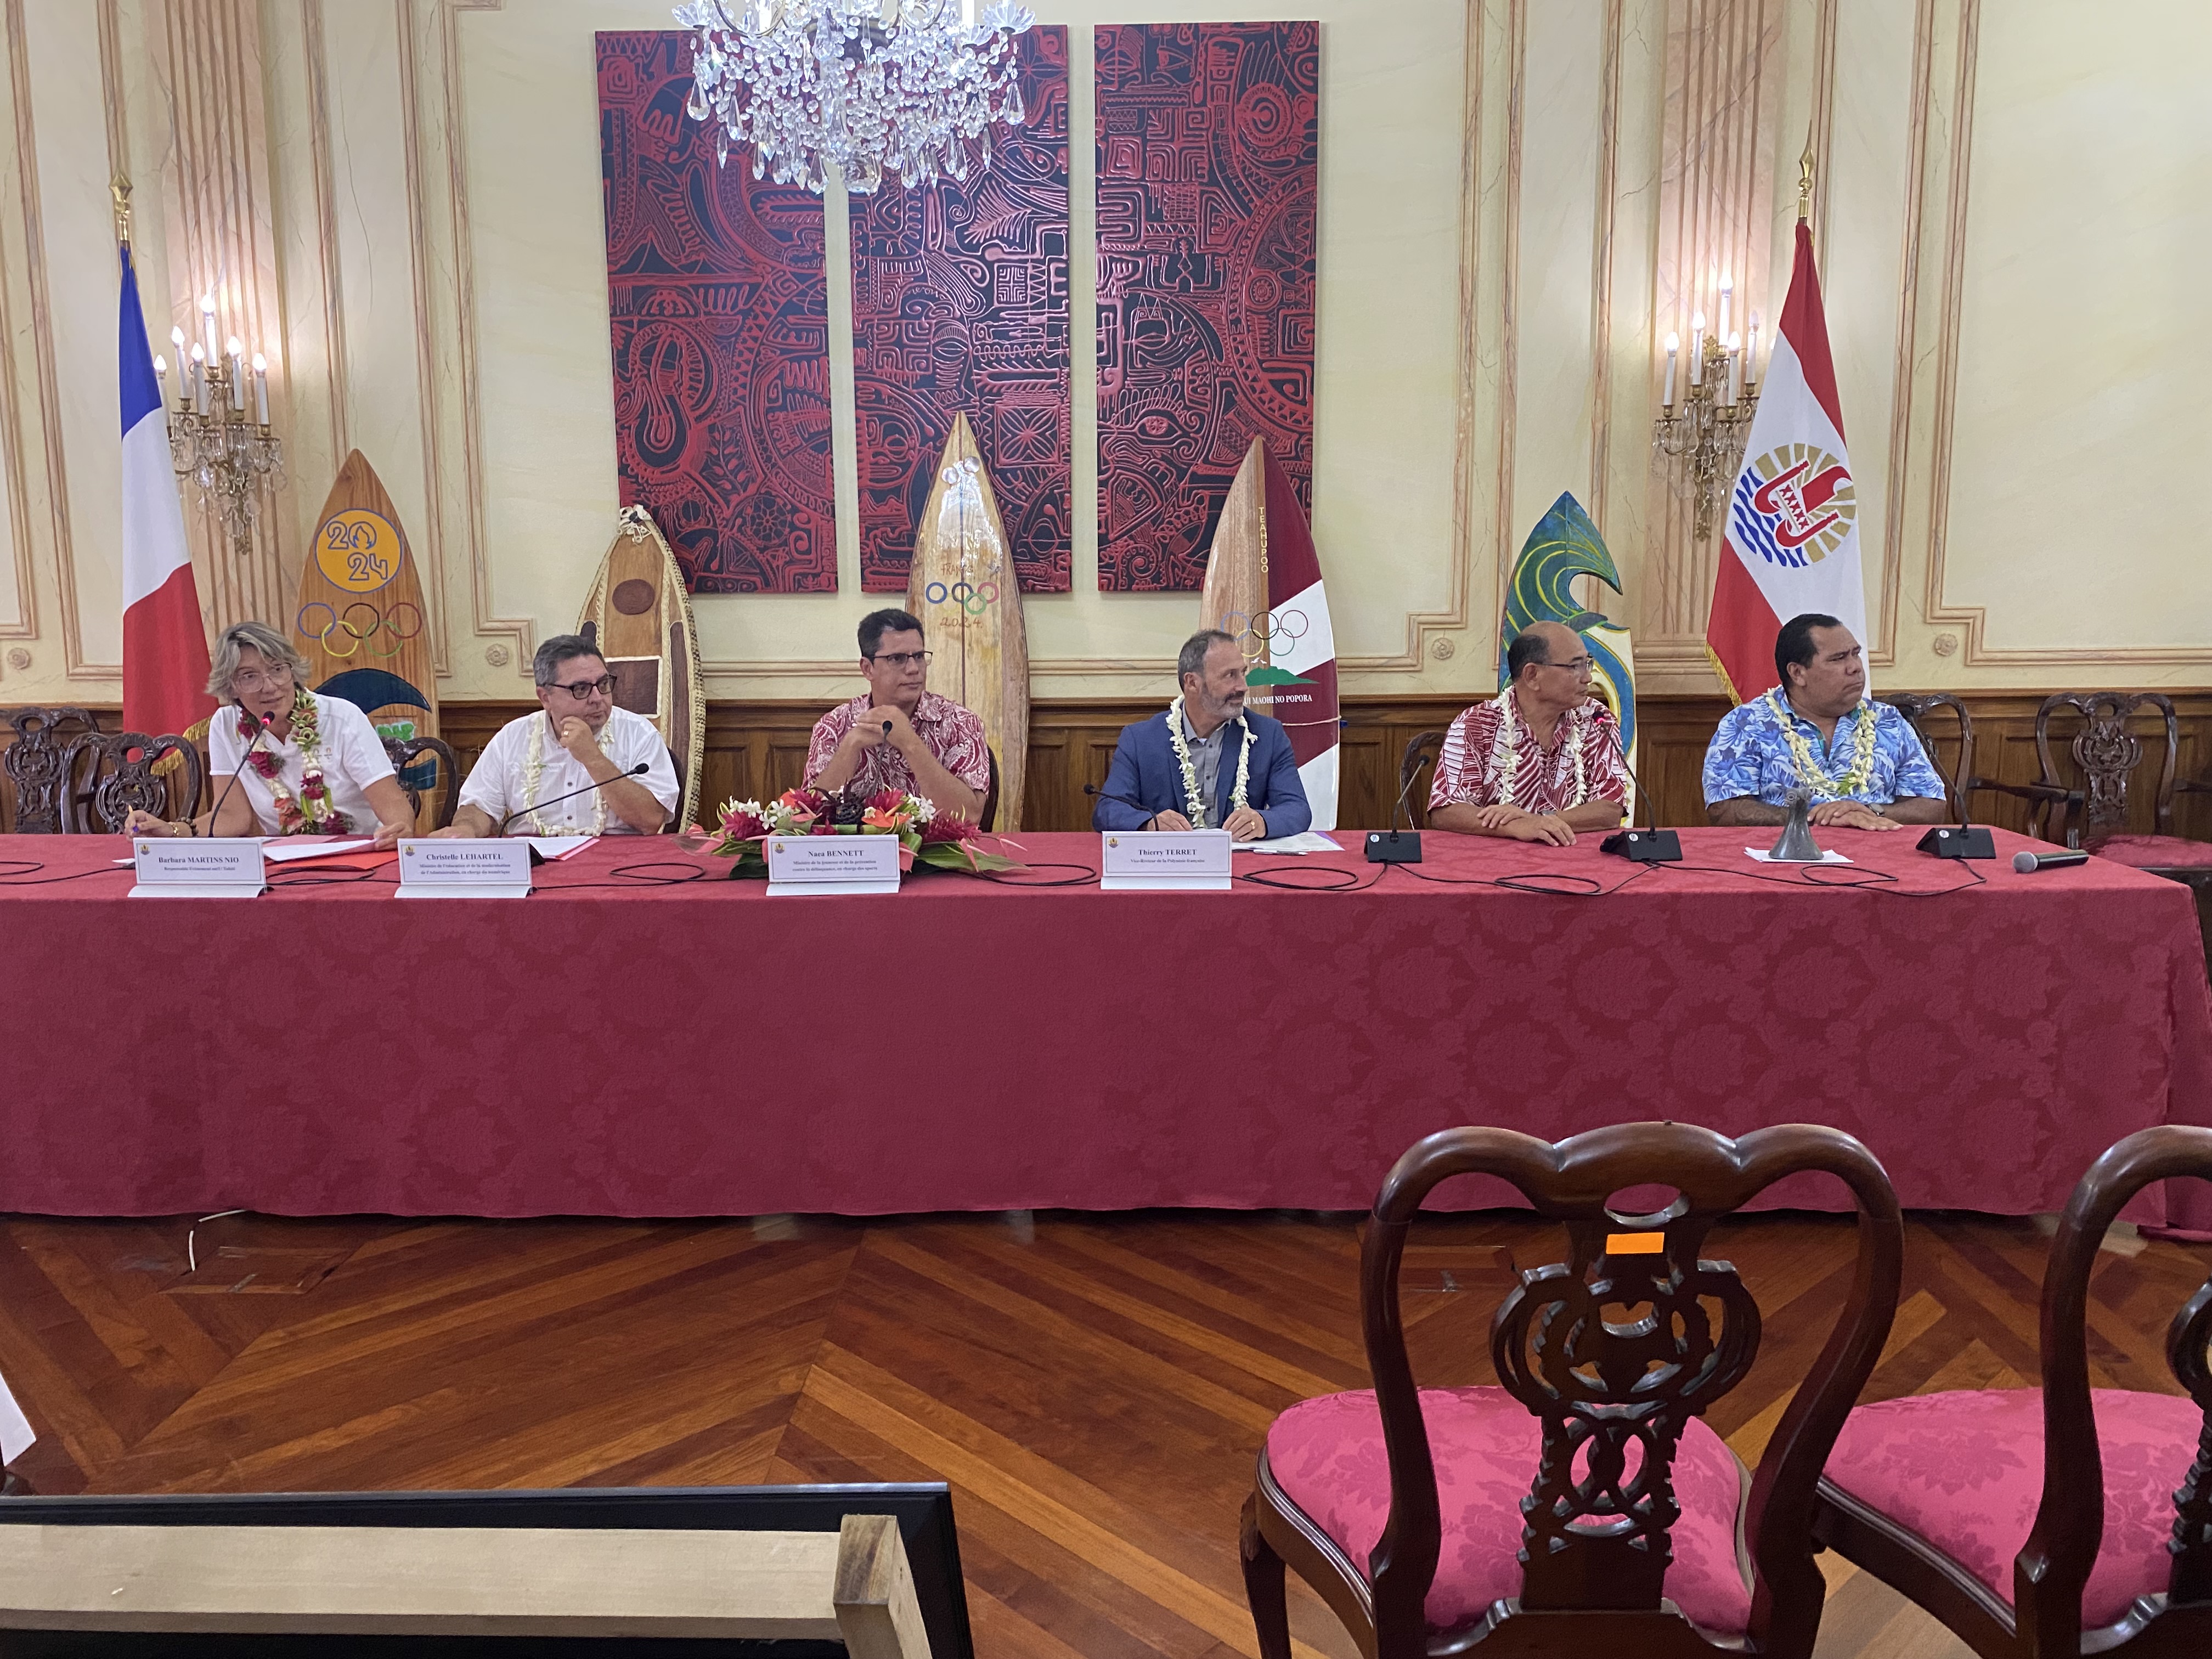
{"x": 1394, "y": 846}
{"x": 1643, "y": 846}
{"x": 1958, "y": 840}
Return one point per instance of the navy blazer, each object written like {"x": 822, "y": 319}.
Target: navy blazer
{"x": 1145, "y": 771}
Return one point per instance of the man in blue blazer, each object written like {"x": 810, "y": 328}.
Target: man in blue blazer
{"x": 1206, "y": 764}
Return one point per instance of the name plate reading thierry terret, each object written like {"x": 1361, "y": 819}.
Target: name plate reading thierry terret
{"x": 832, "y": 864}
{"x": 1164, "y": 862}
{"x": 464, "y": 868}
{"x": 197, "y": 867}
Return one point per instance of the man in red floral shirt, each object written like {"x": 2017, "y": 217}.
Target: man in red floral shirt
{"x": 899, "y": 734}
{"x": 1539, "y": 761}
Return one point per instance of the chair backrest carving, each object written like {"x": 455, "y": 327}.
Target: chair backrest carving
{"x": 1915, "y": 707}
{"x": 123, "y": 778}
{"x": 1614, "y": 1351}
{"x": 2053, "y": 1567}
{"x": 405, "y": 756}
{"x": 44, "y": 763}
{"x": 1423, "y": 751}
{"x": 2107, "y": 755}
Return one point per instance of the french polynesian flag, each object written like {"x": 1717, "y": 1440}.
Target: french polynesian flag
{"x": 1791, "y": 543}
{"x": 164, "y": 655}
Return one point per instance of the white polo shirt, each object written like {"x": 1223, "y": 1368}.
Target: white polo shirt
{"x": 353, "y": 758}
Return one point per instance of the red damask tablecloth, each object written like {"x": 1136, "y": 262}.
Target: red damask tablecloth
{"x": 605, "y": 1048}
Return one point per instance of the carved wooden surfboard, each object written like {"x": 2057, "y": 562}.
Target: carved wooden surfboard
{"x": 360, "y": 621}
{"x": 1263, "y": 585}
{"x": 963, "y": 587}
{"x": 638, "y": 612}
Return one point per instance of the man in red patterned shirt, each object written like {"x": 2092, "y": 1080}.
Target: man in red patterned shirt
{"x": 1539, "y": 761}
{"x": 899, "y": 734}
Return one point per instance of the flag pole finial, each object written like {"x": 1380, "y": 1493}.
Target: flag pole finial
{"x": 120, "y": 188}
{"x": 1805, "y": 179}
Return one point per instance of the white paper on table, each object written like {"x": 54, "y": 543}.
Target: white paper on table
{"x": 16, "y": 1434}
{"x": 1826, "y": 857}
{"x": 284, "y": 853}
{"x": 1306, "y": 841}
{"x": 554, "y": 848}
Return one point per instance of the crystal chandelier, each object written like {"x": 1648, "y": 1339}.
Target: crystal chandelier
{"x": 876, "y": 88}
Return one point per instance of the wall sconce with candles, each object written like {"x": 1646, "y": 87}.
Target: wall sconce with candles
{"x": 213, "y": 441}
{"x": 1703, "y": 434}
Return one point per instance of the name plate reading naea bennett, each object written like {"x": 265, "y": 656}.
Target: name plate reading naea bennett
{"x": 832, "y": 864}
{"x": 1164, "y": 862}
{"x": 188, "y": 866}
{"x": 464, "y": 868}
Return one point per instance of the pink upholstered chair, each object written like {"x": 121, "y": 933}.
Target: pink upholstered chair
{"x": 2106, "y": 1496}
{"x": 1584, "y": 1507}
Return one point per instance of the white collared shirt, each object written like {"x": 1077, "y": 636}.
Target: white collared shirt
{"x": 498, "y": 785}
{"x": 353, "y": 758}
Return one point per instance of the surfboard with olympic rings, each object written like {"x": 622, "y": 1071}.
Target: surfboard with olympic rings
{"x": 638, "y": 612}
{"x": 360, "y": 619}
{"x": 1263, "y": 586}
{"x": 963, "y": 587}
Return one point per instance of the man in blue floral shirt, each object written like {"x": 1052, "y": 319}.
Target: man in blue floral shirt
{"x": 1863, "y": 761}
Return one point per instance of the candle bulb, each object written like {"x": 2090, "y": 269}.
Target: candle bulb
{"x": 1697, "y": 348}
{"x": 1735, "y": 369}
{"x": 260, "y": 389}
{"x": 235, "y": 348}
{"x": 1727, "y": 291}
{"x": 1751, "y": 353}
{"x": 1674, "y": 345}
{"x": 198, "y": 378}
{"x": 207, "y": 323}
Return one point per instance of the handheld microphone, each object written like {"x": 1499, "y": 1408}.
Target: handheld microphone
{"x": 259, "y": 732}
{"x": 636, "y": 771}
{"x": 2028, "y": 863}
{"x": 1651, "y": 844}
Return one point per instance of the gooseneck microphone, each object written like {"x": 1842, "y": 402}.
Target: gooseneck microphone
{"x": 1651, "y": 844}
{"x": 1095, "y": 789}
{"x": 259, "y": 732}
{"x": 636, "y": 771}
{"x": 2028, "y": 863}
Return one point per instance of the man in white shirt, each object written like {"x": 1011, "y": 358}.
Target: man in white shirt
{"x": 579, "y": 740}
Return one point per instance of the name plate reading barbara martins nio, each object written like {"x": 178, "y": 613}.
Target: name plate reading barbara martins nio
{"x": 1171, "y": 862}
{"x": 188, "y": 866}
{"x": 832, "y": 864}
{"x": 465, "y": 868}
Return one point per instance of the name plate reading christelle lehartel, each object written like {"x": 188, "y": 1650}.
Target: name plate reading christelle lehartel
{"x": 832, "y": 864}
{"x": 464, "y": 868}
{"x": 187, "y": 866}
{"x": 1164, "y": 862}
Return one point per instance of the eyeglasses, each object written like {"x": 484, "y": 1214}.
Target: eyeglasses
{"x": 583, "y": 689}
{"x": 1577, "y": 666}
{"x": 253, "y": 679}
{"x": 903, "y": 658}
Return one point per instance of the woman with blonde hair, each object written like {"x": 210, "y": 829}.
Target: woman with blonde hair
{"x": 317, "y": 768}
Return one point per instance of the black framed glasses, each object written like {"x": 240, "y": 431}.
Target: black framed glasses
{"x": 902, "y": 659}
{"x": 583, "y": 689}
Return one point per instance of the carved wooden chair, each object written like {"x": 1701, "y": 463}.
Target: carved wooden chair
{"x": 1925, "y": 1492}
{"x": 1420, "y": 753}
{"x": 1917, "y": 707}
{"x": 122, "y": 779}
{"x": 2107, "y": 755}
{"x": 45, "y": 764}
{"x": 989, "y": 816}
{"x": 442, "y": 772}
{"x": 1404, "y": 1509}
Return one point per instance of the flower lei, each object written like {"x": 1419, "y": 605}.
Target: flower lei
{"x": 533, "y": 769}
{"x": 312, "y": 813}
{"x": 1810, "y": 770}
{"x": 1506, "y": 752}
{"x": 1190, "y": 792}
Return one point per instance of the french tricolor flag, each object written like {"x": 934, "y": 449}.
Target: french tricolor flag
{"x": 1791, "y": 543}
{"x": 165, "y": 654}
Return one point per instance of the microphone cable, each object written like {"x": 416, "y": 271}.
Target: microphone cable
{"x": 1084, "y": 876}
{"x": 26, "y": 872}
{"x": 1275, "y": 879}
{"x": 628, "y": 876}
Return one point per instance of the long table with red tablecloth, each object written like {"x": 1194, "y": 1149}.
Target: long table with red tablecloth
{"x": 631, "y": 1041}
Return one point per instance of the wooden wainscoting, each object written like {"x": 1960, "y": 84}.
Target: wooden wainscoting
{"x": 758, "y": 749}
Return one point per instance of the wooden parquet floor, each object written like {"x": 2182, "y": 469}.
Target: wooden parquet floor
{"x": 1094, "y": 1388}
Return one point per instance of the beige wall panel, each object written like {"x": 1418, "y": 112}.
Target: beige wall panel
{"x": 62, "y": 38}
{"x": 385, "y": 416}
{"x": 1564, "y": 100}
{"x": 2082, "y": 417}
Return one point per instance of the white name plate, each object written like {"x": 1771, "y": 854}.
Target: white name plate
{"x": 832, "y": 864}
{"x": 1164, "y": 862}
{"x": 464, "y": 868}
{"x": 189, "y": 867}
